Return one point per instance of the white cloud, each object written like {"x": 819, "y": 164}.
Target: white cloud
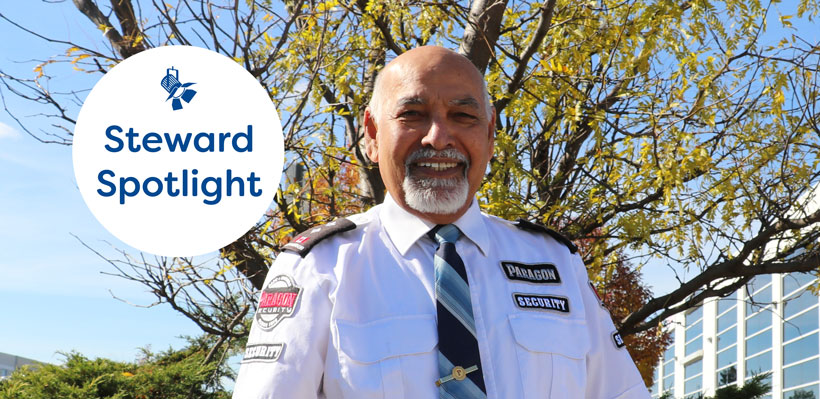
{"x": 8, "y": 132}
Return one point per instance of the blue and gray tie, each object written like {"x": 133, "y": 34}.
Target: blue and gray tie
{"x": 459, "y": 363}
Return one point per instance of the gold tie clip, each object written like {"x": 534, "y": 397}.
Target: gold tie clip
{"x": 459, "y": 373}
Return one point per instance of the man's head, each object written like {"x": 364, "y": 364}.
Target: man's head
{"x": 430, "y": 127}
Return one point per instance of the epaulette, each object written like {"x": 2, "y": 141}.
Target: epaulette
{"x": 527, "y": 225}
{"x": 303, "y": 243}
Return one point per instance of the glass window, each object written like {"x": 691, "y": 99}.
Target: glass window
{"x": 759, "y": 300}
{"x": 727, "y": 357}
{"x": 692, "y": 386}
{"x": 800, "y": 374}
{"x": 691, "y": 373}
{"x": 669, "y": 354}
{"x": 727, "y": 303}
{"x": 809, "y": 392}
{"x": 758, "y": 282}
{"x": 693, "y": 369}
{"x": 759, "y": 364}
{"x": 727, "y": 376}
{"x": 668, "y": 368}
{"x": 694, "y": 316}
{"x": 794, "y": 305}
{"x": 694, "y": 346}
{"x": 728, "y": 337}
{"x": 759, "y": 343}
{"x": 803, "y": 324}
{"x": 694, "y": 330}
{"x": 726, "y": 321}
{"x": 669, "y": 383}
{"x": 793, "y": 281}
{"x": 758, "y": 322}
{"x": 800, "y": 349}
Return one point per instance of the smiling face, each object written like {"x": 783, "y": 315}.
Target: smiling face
{"x": 431, "y": 132}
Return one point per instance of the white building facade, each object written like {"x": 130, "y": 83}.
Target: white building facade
{"x": 772, "y": 325}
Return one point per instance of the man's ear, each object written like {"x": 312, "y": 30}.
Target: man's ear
{"x": 371, "y": 144}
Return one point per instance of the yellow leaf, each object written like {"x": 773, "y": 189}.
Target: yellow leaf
{"x": 79, "y": 58}
{"x": 127, "y": 374}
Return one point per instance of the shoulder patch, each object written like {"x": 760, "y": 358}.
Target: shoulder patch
{"x": 303, "y": 243}
{"x": 539, "y": 228}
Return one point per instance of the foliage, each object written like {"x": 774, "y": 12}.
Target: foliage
{"x": 683, "y": 133}
{"x": 171, "y": 374}
{"x": 754, "y": 388}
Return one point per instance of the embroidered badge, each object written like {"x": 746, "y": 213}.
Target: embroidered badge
{"x": 278, "y": 301}
{"x": 616, "y": 338}
{"x": 536, "y": 273}
{"x": 541, "y": 302}
{"x": 263, "y": 353}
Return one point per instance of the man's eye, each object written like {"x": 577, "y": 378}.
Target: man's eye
{"x": 409, "y": 114}
{"x": 464, "y": 115}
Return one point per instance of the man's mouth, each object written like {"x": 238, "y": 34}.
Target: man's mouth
{"x": 444, "y": 164}
{"x": 437, "y": 166}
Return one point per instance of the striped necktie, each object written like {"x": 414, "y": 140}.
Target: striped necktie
{"x": 458, "y": 360}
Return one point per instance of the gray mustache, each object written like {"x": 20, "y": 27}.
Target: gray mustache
{"x": 422, "y": 153}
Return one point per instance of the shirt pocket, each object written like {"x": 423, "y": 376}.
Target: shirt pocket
{"x": 551, "y": 355}
{"x": 371, "y": 354}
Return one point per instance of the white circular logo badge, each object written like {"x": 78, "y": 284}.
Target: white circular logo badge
{"x": 178, "y": 151}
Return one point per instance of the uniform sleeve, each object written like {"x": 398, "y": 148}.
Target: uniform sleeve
{"x": 287, "y": 345}
{"x": 611, "y": 374}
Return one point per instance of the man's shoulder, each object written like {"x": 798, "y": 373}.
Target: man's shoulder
{"x": 303, "y": 243}
{"x": 523, "y": 225}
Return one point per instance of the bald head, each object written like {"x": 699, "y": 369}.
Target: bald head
{"x": 422, "y": 60}
{"x": 430, "y": 127}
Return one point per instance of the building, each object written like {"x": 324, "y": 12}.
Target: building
{"x": 9, "y": 363}
{"x": 771, "y": 326}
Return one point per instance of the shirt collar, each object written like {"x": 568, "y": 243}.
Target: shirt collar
{"x": 404, "y": 228}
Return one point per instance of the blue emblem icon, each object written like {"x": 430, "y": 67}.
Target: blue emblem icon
{"x": 176, "y": 90}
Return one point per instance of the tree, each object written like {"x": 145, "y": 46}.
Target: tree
{"x": 681, "y": 131}
{"x": 182, "y": 374}
{"x": 754, "y": 388}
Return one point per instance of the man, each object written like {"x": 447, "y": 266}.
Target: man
{"x": 424, "y": 296}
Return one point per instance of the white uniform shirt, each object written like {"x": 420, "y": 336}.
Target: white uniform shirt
{"x": 363, "y": 322}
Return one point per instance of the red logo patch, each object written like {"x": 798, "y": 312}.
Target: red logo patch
{"x": 278, "y": 301}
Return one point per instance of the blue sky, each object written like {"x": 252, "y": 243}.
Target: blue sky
{"x": 53, "y": 296}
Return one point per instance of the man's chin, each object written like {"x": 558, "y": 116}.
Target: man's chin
{"x": 435, "y": 200}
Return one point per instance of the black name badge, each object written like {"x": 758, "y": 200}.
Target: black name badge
{"x": 616, "y": 338}
{"x": 541, "y": 302}
{"x": 535, "y": 273}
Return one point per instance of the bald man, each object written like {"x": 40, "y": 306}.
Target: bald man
{"x": 424, "y": 296}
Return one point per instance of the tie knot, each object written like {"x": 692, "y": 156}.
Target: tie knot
{"x": 446, "y": 233}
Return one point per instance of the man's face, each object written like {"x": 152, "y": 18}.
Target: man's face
{"x": 432, "y": 137}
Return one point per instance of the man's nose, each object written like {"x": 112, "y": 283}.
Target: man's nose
{"x": 440, "y": 135}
